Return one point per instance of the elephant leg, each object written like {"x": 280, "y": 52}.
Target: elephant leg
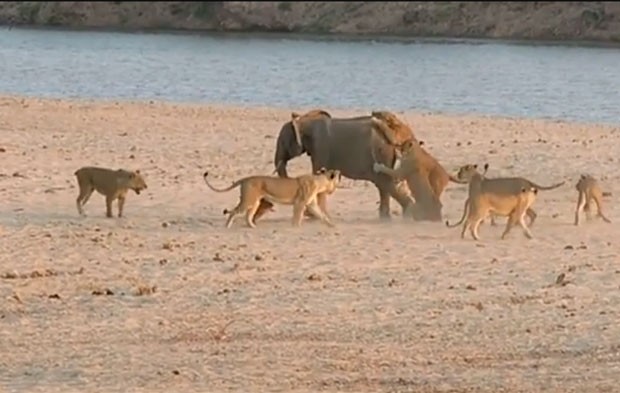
{"x": 384, "y": 203}
{"x": 388, "y": 186}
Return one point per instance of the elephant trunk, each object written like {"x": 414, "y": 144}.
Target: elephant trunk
{"x": 287, "y": 148}
{"x": 280, "y": 162}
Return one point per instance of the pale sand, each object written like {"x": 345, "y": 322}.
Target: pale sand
{"x": 367, "y": 306}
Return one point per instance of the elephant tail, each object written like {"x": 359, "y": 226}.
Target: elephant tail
{"x": 462, "y": 218}
{"x": 235, "y": 184}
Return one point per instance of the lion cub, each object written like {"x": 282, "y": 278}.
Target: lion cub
{"x": 488, "y": 196}
{"x": 589, "y": 190}
{"x": 300, "y": 191}
{"x": 113, "y": 184}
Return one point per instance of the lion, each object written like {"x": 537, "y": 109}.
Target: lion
{"x": 399, "y": 134}
{"x": 507, "y": 184}
{"x": 113, "y": 184}
{"x": 300, "y": 191}
{"x": 486, "y": 196}
{"x": 589, "y": 190}
{"x": 425, "y": 177}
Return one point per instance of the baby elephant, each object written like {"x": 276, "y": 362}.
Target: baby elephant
{"x": 113, "y": 184}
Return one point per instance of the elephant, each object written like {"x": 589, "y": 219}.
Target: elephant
{"x": 351, "y": 145}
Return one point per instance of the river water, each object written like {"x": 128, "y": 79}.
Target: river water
{"x": 561, "y": 82}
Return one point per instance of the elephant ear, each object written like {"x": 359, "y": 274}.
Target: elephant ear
{"x": 295, "y": 124}
{"x": 323, "y": 113}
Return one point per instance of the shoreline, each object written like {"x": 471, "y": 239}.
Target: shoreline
{"x": 337, "y": 37}
{"x": 4, "y": 96}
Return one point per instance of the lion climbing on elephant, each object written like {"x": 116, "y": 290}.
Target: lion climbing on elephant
{"x": 421, "y": 170}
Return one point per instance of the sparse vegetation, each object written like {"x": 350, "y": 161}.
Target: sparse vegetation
{"x": 29, "y": 11}
{"x": 205, "y": 9}
{"x": 509, "y": 20}
{"x": 54, "y": 20}
{"x": 285, "y": 6}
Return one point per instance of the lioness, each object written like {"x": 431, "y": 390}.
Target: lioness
{"x": 300, "y": 191}
{"x": 422, "y": 172}
{"x": 487, "y": 196}
{"x": 589, "y": 190}
{"x": 411, "y": 158}
{"x": 506, "y": 185}
{"x": 113, "y": 184}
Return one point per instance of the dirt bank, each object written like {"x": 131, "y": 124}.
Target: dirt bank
{"x": 598, "y": 21}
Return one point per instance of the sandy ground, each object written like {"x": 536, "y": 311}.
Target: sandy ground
{"x": 166, "y": 299}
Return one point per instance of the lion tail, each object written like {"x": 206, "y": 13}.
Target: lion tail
{"x": 462, "y": 218}
{"x": 551, "y": 187}
{"x": 235, "y": 184}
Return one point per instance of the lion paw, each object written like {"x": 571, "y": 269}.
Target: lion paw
{"x": 377, "y": 167}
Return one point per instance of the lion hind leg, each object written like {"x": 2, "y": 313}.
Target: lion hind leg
{"x": 474, "y": 228}
{"x": 464, "y": 228}
{"x": 581, "y": 203}
{"x": 231, "y": 215}
{"x": 599, "y": 208}
{"x": 475, "y": 219}
{"x": 83, "y": 197}
{"x": 250, "y": 212}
